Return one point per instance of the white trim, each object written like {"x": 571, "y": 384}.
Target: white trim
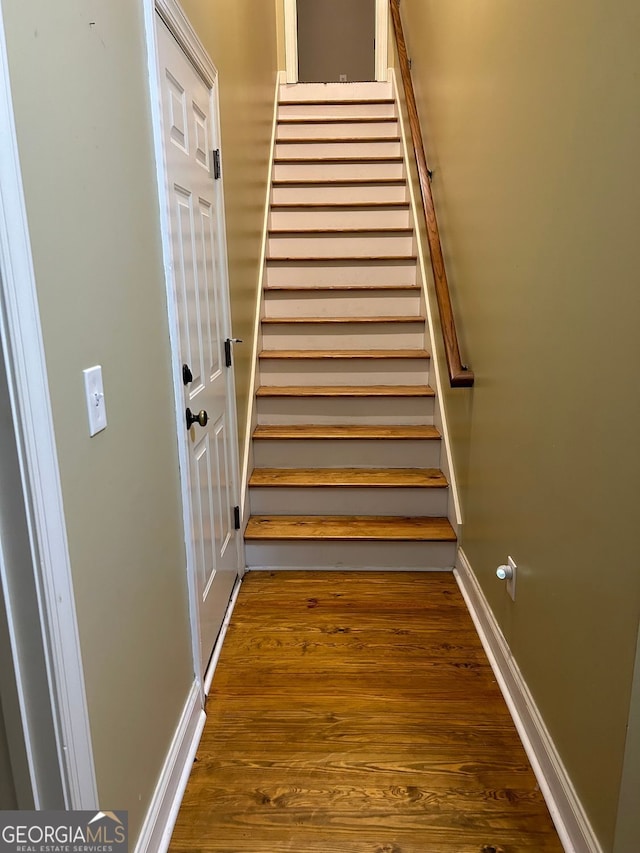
{"x": 31, "y": 408}
{"x": 382, "y": 40}
{"x": 417, "y": 213}
{"x": 257, "y": 328}
{"x": 291, "y": 40}
{"x": 569, "y": 817}
{"x": 180, "y": 27}
{"x": 165, "y": 803}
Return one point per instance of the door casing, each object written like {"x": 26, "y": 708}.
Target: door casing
{"x": 291, "y": 40}
{"x": 178, "y": 24}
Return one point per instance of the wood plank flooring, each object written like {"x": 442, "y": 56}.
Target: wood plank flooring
{"x": 356, "y": 712}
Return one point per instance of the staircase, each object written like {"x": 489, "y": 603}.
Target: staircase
{"x": 347, "y": 458}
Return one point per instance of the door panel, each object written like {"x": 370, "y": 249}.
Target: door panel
{"x": 199, "y": 276}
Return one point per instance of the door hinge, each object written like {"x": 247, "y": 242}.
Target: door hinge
{"x": 217, "y": 168}
{"x": 236, "y": 518}
{"x": 227, "y": 350}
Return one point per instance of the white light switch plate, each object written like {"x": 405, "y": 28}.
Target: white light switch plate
{"x": 94, "y": 393}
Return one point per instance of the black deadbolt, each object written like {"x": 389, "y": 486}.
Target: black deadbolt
{"x": 187, "y": 375}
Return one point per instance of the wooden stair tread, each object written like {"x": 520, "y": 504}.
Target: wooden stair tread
{"x": 334, "y": 102}
{"x": 343, "y": 353}
{"x": 335, "y": 119}
{"x": 340, "y": 205}
{"x": 349, "y": 527}
{"x": 322, "y": 320}
{"x": 346, "y": 431}
{"x": 350, "y": 258}
{"x": 301, "y": 288}
{"x": 345, "y": 391}
{"x": 337, "y": 182}
{"x": 304, "y": 140}
{"x": 387, "y": 478}
{"x": 305, "y": 232}
{"x": 360, "y": 159}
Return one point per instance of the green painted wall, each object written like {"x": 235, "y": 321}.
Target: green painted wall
{"x": 79, "y": 81}
{"x": 530, "y": 116}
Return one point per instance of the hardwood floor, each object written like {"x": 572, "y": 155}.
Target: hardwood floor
{"x": 356, "y": 712}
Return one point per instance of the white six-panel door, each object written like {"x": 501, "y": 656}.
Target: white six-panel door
{"x": 199, "y": 276}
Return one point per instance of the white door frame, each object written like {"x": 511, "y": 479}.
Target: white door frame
{"x": 179, "y": 25}
{"x": 24, "y": 357}
{"x": 291, "y": 40}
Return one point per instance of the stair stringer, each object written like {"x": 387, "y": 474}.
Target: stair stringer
{"x": 438, "y": 372}
{"x": 254, "y": 381}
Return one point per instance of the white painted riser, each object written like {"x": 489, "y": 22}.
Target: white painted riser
{"x": 352, "y": 555}
{"x": 340, "y": 218}
{"x": 326, "y": 274}
{"x": 327, "y": 501}
{"x": 367, "y": 303}
{"x": 344, "y": 372}
{"x": 339, "y": 453}
{"x": 334, "y": 91}
{"x": 323, "y": 110}
{"x": 344, "y": 336}
{"x": 349, "y": 194}
{"x": 337, "y": 171}
{"x": 340, "y": 245}
{"x": 323, "y": 148}
{"x": 345, "y": 410}
{"x": 332, "y": 130}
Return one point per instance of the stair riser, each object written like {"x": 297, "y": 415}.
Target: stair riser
{"x": 322, "y": 110}
{"x": 326, "y": 274}
{"x": 327, "y": 194}
{"x": 291, "y": 92}
{"x": 361, "y": 148}
{"x": 367, "y": 303}
{"x": 329, "y": 501}
{"x": 344, "y": 372}
{"x": 356, "y": 453}
{"x": 333, "y": 130}
{"x": 336, "y": 171}
{"x": 351, "y": 555}
{"x": 340, "y": 246}
{"x": 345, "y": 410}
{"x": 339, "y": 218}
{"x": 343, "y": 336}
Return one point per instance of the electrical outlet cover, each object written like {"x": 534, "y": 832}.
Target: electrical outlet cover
{"x": 94, "y": 395}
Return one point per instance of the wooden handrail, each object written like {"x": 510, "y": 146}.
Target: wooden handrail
{"x": 460, "y": 376}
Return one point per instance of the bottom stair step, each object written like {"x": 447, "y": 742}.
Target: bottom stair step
{"x": 345, "y": 528}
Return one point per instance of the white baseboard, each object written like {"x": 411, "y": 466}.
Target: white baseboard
{"x": 163, "y": 811}
{"x": 569, "y": 817}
